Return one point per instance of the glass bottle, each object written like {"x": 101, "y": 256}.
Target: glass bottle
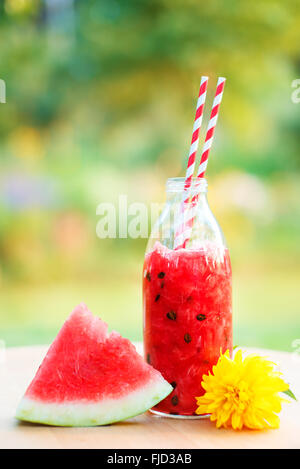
{"x": 187, "y": 300}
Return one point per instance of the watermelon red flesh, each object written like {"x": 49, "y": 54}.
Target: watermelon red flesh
{"x": 90, "y": 378}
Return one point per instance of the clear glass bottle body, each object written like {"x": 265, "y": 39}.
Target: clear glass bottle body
{"x": 187, "y": 300}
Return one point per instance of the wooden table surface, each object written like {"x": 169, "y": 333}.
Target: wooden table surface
{"x": 17, "y": 368}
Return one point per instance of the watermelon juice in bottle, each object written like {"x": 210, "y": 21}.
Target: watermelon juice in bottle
{"x": 187, "y": 301}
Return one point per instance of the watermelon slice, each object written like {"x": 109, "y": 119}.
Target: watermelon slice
{"x": 90, "y": 377}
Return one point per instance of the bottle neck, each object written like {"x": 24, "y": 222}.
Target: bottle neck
{"x": 178, "y": 197}
{"x": 176, "y": 190}
{"x": 204, "y": 228}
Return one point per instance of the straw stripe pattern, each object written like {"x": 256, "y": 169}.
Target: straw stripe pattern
{"x": 184, "y": 232}
{"x": 211, "y": 127}
{"x": 192, "y": 154}
{"x": 195, "y": 136}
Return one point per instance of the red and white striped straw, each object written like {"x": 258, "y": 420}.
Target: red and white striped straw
{"x": 193, "y": 151}
{"x": 183, "y": 233}
{"x": 211, "y": 127}
{"x": 195, "y": 136}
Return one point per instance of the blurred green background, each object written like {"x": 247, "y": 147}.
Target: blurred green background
{"x": 100, "y": 102}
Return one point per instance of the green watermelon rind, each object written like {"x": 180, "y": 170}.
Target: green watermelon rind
{"x": 89, "y": 414}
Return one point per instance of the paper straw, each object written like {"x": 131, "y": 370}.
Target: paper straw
{"x": 184, "y": 232}
{"x": 193, "y": 152}
{"x": 211, "y": 127}
{"x": 195, "y": 136}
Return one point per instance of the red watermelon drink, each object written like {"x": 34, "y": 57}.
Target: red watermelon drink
{"x": 187, "y": 309}
{"x": 187, "y": 296}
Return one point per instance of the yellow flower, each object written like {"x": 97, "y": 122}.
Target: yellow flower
{"x": 242, "y": 393}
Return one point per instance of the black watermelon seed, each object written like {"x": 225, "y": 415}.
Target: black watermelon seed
{"x": 200, "y": 317}
{"x": 161, "y": 275}
{"x": 172, "y": 315}
{"x": 187, "y": 338}
{"x": 148, "y": 276}
{"x": 162, "y": 284}
{"x": 174, "y": 413}
{"x": 157, "y": 297}
{"x": 148, "y": 359}
{"x": 173, "y": 384}
{"x": 174, "y": 400}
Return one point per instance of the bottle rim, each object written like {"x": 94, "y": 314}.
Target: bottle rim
{"x": 177, "y": 184}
